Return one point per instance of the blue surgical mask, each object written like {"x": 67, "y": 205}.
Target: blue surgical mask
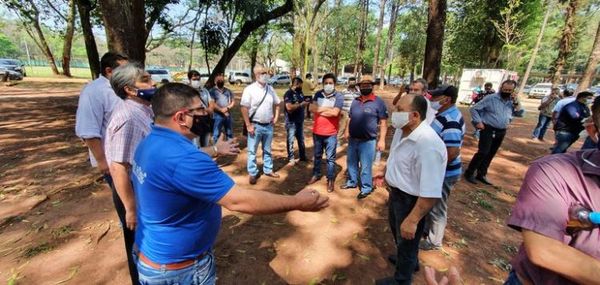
{"x": 147, "y": 94}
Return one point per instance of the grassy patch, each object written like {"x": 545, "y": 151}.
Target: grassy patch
{"x": 36, "y": 250}
{"x": 45, "y": 71}
{"x": 61, "y": 232}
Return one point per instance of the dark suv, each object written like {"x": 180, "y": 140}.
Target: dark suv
{"x": 15, "y": 68}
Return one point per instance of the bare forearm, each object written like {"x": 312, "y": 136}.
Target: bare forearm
{"x": 561, "y": 258}
{"x": 421, "y": 208}
{"x": 259, "y": 202}
{"x": 453, "y": 153}
{"x": 277, "y": 110}
{"x": 122, "y": 182}
{"x": 328, "y": 112}
{"x": 245, "y": 115}
{"x": 382, "y": 130}
{"x": 95, "y": 146}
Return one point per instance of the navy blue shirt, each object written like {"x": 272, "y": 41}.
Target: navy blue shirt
{"x": 294, "y": 97}
{"x": 177, "y": 188}
{"x": 571, "y": 117}
{"x": 365, "y": 114}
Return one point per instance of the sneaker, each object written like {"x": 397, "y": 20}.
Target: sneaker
{"x": 426, "y": 245}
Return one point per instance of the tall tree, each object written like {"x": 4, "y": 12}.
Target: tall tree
{"x": 509, "y": 28}
{"x": 435, "y": 42}
{"x": 85, "y": 8}
{"x": 363, "y": 6}
{"x": 68, "y": 39}
{"x": 28, "y": 13}
{"x": 378, "y": 38}
{"x": 534, "y": 53}
{"x": 566, "y": 41}
{"x": 390, "y": 41}
{"x": 592, "y": 64}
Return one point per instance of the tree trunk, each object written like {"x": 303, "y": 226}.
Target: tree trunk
{"x": 253, "y": 56}
{"x": 315, "y": 56}
{"x": 43, "y": 45}
{"x": 124, "y": 21}
{"x": 536, "y": 48}
{"x": 68, "y": 41}
{"x": 378, "y": 38}
{"x": 195, "y": 27}
{"x": 85, "y": 7}
{"x": 566, "y": 41}
{"x": 591, "y": 65}
{"x": 364, "y": 8}
{"x": 435, "y": 42}
{"x": 390, "y": 41}
{"x": 246, "y": 29}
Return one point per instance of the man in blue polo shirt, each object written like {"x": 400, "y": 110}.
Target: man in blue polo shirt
{"x": 368, "y": 117}
{"x": 294, "y": 120}
{"x": 450, "y": 126}
{"x": 180, "y": 190}
{"x": 570, "y": 122}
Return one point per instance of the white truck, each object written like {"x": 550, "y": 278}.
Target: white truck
{"x": 473, "y": 79}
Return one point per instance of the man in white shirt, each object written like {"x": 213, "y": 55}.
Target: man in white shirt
{"x": 260, "y": 109}
{"x": 414, "y": 173}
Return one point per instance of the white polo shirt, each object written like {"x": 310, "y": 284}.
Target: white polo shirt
{"x": 417, "y": 163}
{"x": 252, "y": 96}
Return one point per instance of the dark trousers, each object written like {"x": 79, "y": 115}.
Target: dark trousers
{"x": 490, "y": 140}
{"x": 128, "y": 235}
{"x": 400, "y": 205}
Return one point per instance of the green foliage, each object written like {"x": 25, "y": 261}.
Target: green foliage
{"x": 7, "y": 47}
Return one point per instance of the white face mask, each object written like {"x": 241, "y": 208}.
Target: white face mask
{"x": 263, "y": 78}
{"x": 328, "y": 88}
{"x": 195, "y": 83}
{"x": 436, "y": 105}
{"x": 399, "y": 119}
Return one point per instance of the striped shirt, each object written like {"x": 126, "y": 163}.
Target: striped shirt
{"x": 450, "y": 126}
{"x": 128, "y": 125}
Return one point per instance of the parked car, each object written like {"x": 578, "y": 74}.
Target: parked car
{"x": 160, "y": 75}
{"x": 396, "y": 81}
{"x": 540, "y": 90}
{"x": 526, "y": 89}
{"x": 15, "y": 68}
{"x": 378, "y": 81}
{"x": 342, "y": 80}
{"x": 280, "y": 79}
{"x": 239, "y": 78}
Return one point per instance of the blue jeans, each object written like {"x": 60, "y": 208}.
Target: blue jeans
{"x": 329, "y": 143}
{"x": 202, "y": 272}
{"x": 435, "y": 224}
{"x": 541, "y": 127}
{"x": 564, "y": 140}
{"x": 263, "y": 134}
{"x": 407, "y": 251}
{"x": 361, "y": 154}
{"x": 224, "y": 122}
{"x": 202, "y": 141}
{"x": 513, "y": 279}
{"x": 295, "y": 130}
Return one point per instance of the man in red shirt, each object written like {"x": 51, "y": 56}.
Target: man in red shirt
{"x": 327, "y": 106}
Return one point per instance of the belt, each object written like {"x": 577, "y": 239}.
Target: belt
{"x": 492, "y": 128}
{"x": 259, "y": 123}
{"x": 171, "y": 266}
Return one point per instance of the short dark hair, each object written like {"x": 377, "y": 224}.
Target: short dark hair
{"x": 192, "y": 73}
{"x": 329, "y": 75}
{"x": 298, "y": 80}
{"x": 509, "y": 81}
{"x": 419, "y": 104}
{"x": 584, "y": 94}
{"x": 111, "y": 59}
{"x": 567, "y": 93}
{"x": 171, "y": 98}
{"x": 308, "y": 75}
{"x": 352, "y": 79}
{"x": 487, "y": 84}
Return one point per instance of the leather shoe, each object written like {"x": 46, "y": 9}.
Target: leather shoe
{"x": 330, "y": 186}
{"x": 346, "y": 186}
{"x": 252, "y": 179}
{"x": 362, "y": 195}
{"x": 313, "y": 180}
{"x": 470, "y": 178}
{"x": 484, "y": 180}
{"x": 272, "y": 175}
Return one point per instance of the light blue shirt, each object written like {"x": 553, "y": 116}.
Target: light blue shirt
{"x": 96, "y": 103}
{"x": 562, "y": 103}
{"x": 492, "y": 110}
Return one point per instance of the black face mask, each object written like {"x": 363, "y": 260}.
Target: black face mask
{"x": 298, "y": 89}
{"x": 366, "y": 91}
{"x": 200, "y": 124}
{"x": 505, "y": 95}
{"x": 220, "y": 84}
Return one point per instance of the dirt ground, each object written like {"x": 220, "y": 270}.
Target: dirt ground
{"x": 58, "y": 224}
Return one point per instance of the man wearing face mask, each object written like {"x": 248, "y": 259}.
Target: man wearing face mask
{"x": 129, "y": 124}
{"x": 366, "y": 131}
{"x": 222, "y": 101}
{"x": 179, "y": 200}
{"x": 260, "y": 110}
{"x": 327, "y": 106}
{"x": 551, "y": 254}
{"x": 414, "y": 174}
{"x": 450, "y": 126}
{"x": 350, "y": 93}
{"x": 294, "y": 120}
{"x": 419, "y": 87}
{"x": 203, "y": 140}
{"x": 491, "y": 116}
{"x": 570, "y": 122}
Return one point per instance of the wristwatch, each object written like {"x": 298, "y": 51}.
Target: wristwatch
{"x": 214, "y": 147}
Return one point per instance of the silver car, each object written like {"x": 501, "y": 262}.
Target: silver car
{"x": 540, "y": 90}
{"x": 15, "y": 68}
